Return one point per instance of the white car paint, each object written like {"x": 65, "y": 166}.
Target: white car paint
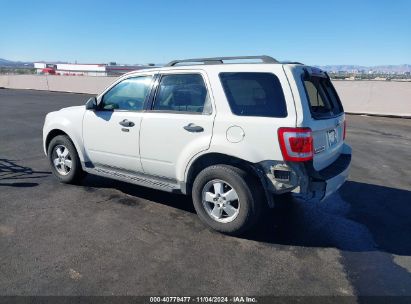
{"x": 70, "y": 121}
{"x": 165, "y": 146}
{"x": 159, "y": 146}
{"x": 106, "y": 144}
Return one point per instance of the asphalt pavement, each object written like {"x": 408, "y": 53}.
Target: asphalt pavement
{"x": 106, "y": 237}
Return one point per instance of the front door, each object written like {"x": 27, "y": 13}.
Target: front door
{"x": 178, "y": 125}
{"x": 111, "y": 133}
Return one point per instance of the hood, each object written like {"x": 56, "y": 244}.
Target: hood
{"x": 73, "y": 108}
{"x": 69, "y": 111}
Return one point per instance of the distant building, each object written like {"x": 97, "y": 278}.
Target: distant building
{"x": 74, "y": 69}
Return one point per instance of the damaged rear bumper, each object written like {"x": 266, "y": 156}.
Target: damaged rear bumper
{"x": 303, "y": 181}
{"x": 325, "y": 182}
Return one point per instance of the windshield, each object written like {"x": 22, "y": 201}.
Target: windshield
{"x": 322, "y": 97}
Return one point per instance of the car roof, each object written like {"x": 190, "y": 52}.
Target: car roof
{"x": 217, "y": 63}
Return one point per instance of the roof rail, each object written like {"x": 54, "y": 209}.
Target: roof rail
{"x": 220, "y": 60}
{"x": 291, "y": 62}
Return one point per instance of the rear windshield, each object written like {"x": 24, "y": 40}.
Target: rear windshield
{"x": 254, "y": 94}
{"x": 323, "y": 98}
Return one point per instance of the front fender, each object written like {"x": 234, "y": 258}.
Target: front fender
{"x": 71, "y": 125}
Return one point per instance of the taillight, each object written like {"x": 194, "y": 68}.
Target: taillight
{"x": 345, "y": 129}
{"x": 296, "y": 143}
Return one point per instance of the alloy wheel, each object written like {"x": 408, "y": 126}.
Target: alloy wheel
{"x": 62, "y": 159}
{"x": 220, "y": 201}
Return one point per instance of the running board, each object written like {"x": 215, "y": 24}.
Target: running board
{"x": 136, "y": 178}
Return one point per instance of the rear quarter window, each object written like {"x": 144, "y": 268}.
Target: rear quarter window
{"x": 254, "y": 94}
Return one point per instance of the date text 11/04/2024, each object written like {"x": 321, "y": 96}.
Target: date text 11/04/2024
{"x": 238, "y": 299}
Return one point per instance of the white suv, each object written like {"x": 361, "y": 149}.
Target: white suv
{"x": 232, "y": 135}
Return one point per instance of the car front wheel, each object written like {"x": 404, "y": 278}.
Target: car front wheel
{"x": 64, "y": 160}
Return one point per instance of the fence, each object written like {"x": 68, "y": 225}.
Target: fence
{"x": 368, "y": 97}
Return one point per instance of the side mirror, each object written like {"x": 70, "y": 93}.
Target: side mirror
{"x": 91, "y": 104}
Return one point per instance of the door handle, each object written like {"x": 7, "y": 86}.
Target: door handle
{"x": 193, "y": 128}
{"x": 126, "y": 123}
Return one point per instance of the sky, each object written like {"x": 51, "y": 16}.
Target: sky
{"x": 319, "y": 32}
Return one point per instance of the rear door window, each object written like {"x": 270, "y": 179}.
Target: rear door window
{"x": 254, "y": 94}
{"x": 182, "y": 93}
{"x": 322, "y": 97}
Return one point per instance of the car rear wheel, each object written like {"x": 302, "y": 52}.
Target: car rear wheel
{"x": 64, "y": 160}
{"x": 227, "y": 199}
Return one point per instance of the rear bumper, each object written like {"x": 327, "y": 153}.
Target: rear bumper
{"x": 321, "y": 184}
{"x": 334, "y": 183}
{"x": 301, "y": 178}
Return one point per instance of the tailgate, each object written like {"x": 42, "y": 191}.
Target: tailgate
{"x": 327, "y": 120}
{"x": 328, "y": 141}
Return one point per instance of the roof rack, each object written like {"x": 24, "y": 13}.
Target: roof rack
{"x": 220, "y": 60}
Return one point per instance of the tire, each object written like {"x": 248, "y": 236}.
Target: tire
{"x": 62, "y": 144}
{"x": 249, "y": 204}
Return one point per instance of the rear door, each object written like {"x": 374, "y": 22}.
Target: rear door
{"x": 326, "y": 116}
{"x": 178, "y": 124}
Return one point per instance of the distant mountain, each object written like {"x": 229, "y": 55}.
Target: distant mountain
{"x": 397, "y": 69}
{"x": 15, "y": 64}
